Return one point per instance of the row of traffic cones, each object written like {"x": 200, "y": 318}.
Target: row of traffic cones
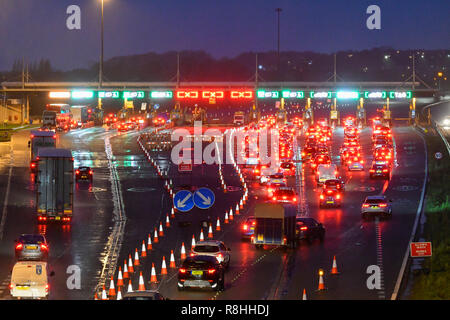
{"x": 321, "y": 287}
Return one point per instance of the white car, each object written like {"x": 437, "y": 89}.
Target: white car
{"x": 213, "y": 248}
{"x": 29, "y": 280}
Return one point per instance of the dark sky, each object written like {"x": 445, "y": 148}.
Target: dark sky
{"x": 36, "y": 29}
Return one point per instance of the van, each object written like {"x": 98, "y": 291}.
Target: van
{"x": 29, "y": 280}
{"x": 326, "y": 172}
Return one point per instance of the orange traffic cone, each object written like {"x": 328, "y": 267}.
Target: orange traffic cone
{"x": 153, "y": 275}
{"x": 104, "y": 296}
{"x": 141, "y": 282}
{"x": 226, "y": 217}
{"x": 218, "y": 224}
{"x": 125, "y": 270}
{"x": 201, "y": 235}
{"x": 193, "y": 242}
{"x": 304, "y": 295}
{"x": 231, "y": 215}
{"x": 241, "y": 205}
{"x": 130, "y": 264}
{"x": 96, "y": 296}
{"x": 321, "y": 283}
{"x": 112, "y": 289}
{"x": 183, "y": 251}
{"x": 155, "y": 237}
{"x": 130, "y": 286}
{"x": 172, "y": 260}
{"x": 172, "y": 213}
{"x": 136, "y": 258}
{"x": 167, "y": 221}
{"x": 334, "y": 269}
{"x": 149, "y": 242}
{"x": 210, "y": 232}
{"x": 237, "y": 209}
{"x": 161, "y": 231}
{"x": 143, "y": 250}
{"x": 120, "y": 278}
{"x": 119, "y": 294}
{"x": 163, "y": 266}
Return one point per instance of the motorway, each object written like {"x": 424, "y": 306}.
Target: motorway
{"x": 128, "y": 193}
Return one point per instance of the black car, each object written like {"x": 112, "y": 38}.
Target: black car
{"x": 84, "y": 173}
{"x": 380, "y": 169}
{"x": 201, "y": 271}
{"x": 144, "y": 295}
{"x": 309, "y": 229}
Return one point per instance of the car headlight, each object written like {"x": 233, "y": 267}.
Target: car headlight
{"x": 446, "y": 122}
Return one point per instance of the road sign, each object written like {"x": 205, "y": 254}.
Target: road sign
{"x": 420, "y": 249}
{"x": 185, "y": 167}
{"x": 183, "y": 200}
{"x": 438, "y": 155}
{"x": 204, "y": 198}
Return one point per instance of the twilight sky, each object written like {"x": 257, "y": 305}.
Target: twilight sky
{"x": 36, "y": 29}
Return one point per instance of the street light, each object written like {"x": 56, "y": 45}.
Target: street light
{"x": 278, "y": 10}
{"x": 100, "y": 71}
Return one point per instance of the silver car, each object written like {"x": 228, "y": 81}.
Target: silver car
{"x": 213, "y": 248}
{"x": 376, "y": 205}
{"x": 31, "y": 247}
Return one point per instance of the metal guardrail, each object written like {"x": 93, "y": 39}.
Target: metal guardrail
{"x": 442, "y": 135}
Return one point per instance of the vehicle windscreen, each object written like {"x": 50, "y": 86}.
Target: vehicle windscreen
{"x": 206, "y": 248}
{"x": 375, "y": 201}
{"x": 31, "y": 239}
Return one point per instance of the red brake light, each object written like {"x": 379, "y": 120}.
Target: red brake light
{"x": 365, "y": 205}
{"x": 304, "y": 228}
{"x": 321, "y": 197}
{"x": 245, "y": 227}
{"x": 182, "y": 270}
{"x": 91, "y": 172}
{"x": 294, "y": 199}
{"x": 19, "y": 246}
{"x": 383, "y": 205}
{"x": 338, "y": 196}
{"x": 211, "y": 271}
{"x": 43, "y": 247}
{"x": 11, "y": 286}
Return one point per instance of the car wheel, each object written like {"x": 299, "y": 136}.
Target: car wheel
{"x": 180, "y": 288}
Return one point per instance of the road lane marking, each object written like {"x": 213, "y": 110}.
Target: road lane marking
{"x": 381, "y": 291}
{"x": 8, "y": 187}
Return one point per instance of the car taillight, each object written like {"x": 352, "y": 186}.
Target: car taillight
{"x": 47, "y": 287}
{"x": 91, "y": 172}
{"x": 44, "y": 247}
{"x": 385, "y": 170}
{"x": 321, "y": 197}
{"x": 294, "y": 199}
{"x": 372, "y": 170}
{"x": 303, "y": 228}
{"x": 383, "y": 205}
{"x": 182, "y": 270}
{"x": 274, "y": 198}
{"x": 245, "y": 227}
{"x": 338, "y": 196}
{"x": 77, "y": 172}
{"x": 365, "y": 205}
{"x": 19, "y": 246}
{"x": 211, "y": 271}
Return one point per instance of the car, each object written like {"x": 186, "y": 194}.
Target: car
{"x": 30, "y": 280}
{"x": 355, "y": 163}
{"x": 309, "y": 229}
{"x": 213, "y": 248}
{"x": 201, "y": 271}
{"x": 84, "y": 173}
{"x": 320, "y": 159}
{"x": 380, "y": 169}
{"x": 330, "y": 198}
{"x": 248, "y": 227}
{"x": 284, "y": 194}
{"x": 288, "y": 168}
{"x": 144, "y": 295}
{"x": 308, "y": 153}
{"x": 31, "y": 247}
{"x": 376, "y": 205}
{"x": 384, "y": 153}
{"x": 335, "y": 184}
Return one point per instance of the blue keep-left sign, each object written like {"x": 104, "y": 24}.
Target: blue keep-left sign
{"x": 183, "y": 200}
{"x": 204, "y": 198}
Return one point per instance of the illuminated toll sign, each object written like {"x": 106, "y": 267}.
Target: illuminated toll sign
{"x": 267, "y": 94}
{"x": 400, "y": 94}
{"x": 347, "y": 95}
{"x": 248, "y": 94}
{"x": 109, "y": 94}
{"x": 59, "y": 94}
{"x": 320, "y": 94}
{"x": 292, "y": 94}
{"x": 187, "y": 94}
{"x": 161, "y": 94}
{"x": 375, "y": 95}
{"x": 207, "y": 94}
{"x": 133, "y": 94}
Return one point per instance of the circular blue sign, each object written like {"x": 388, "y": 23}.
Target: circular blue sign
{"x": 183, "y": 200}
{"x": 204, "y": 198}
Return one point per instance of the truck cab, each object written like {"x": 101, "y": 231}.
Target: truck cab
{"x": 239, "y": 118}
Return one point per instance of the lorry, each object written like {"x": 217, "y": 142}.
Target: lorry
{"x": 239, "y": 118}
{"x": 40, "y": 139}
{"x": 275, "y": 225}
{"x": 54, "y": 197}
{"x": 49, "y": 119}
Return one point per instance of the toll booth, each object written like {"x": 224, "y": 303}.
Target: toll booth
{"x": 308, "y": 115}
{"x": 334, "y": 115}
{"x": 254, "y": 115}
{"x": 361, "y": 118}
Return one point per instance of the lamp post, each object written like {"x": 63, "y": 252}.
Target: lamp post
{"x": 278, "y": 10}
{"x": 100, "y": 71}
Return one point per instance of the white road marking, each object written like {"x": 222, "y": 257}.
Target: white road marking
{"x": 8, "y": 187}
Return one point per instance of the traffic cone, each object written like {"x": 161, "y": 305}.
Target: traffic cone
{"x": 136, "y": 258}
{"x": 112, "y": 289}
{"x": 130, "y": 286}
{"x": 218, "y": 224}
{"x": 231, "y": 215}
{"x": 237, "y": 209}
{"x": 163, "y": 266}
{"x": 193, "y": 242}
{"x": 96, "y": 296}
{"x": 304, "y": 295}
{"x": 141, "y": 282}
{"x": 210, "y": 232}
{"x": 149, "y": 242}
{"x": 201, "y": 235}
{"x": 241, "y": 205}
{"x": 125, "y": 270}
{"x": 155, "y": 237}
{"x": 334, "y": 269}
{"x": 120, "y": 278}
{"x": 161, "y": 231}
{"x": 321, "y": 283}
{"x": 172, "y": 213}
{"x": 153, "y": 275}
{"x": 172, "y": 260}
{"x": 119, "y": 294}
{"x": 130, "y": 265}
{"x": 104, "y": 296}
{"x": 183, "y": 251}
{"x": 226, "y": 217}
{"x": 143, "y": 250}
{"x": 167, "y": 221}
